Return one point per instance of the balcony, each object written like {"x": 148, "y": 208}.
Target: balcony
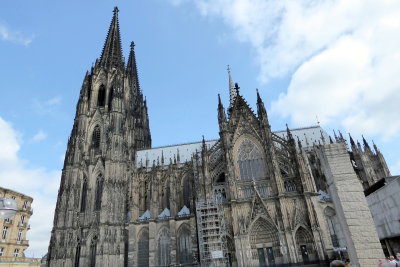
{"x": 22, "y": 224}
{"x": 22, "y": 242}
{"x": 8, "y": 222}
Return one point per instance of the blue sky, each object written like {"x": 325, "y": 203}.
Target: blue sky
{"x": 332, "y": 59}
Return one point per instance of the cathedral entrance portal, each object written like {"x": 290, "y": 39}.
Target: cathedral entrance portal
{"x": 304, "y": 253}
{"x": 264, "y": 242}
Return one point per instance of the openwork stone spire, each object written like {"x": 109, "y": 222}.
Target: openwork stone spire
{"x": 232, "y": 90}
{"x": 112, "y": 51}
{"x": 131, "y": 67}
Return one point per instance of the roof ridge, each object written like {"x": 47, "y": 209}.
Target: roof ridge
{"x": 181, "y": 144}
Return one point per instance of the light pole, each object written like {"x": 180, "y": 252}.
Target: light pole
{"x": 8, "y": 208}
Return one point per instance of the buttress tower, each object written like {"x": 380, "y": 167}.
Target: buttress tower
{"x": 110, "y": 124}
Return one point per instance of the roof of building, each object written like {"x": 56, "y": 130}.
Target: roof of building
{"x": 307, "y": 136}
{"x": 4, "y": 191}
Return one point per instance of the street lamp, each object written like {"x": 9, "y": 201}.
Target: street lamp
{"x": 8, "y": 208}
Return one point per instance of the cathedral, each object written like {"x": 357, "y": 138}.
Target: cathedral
{"x": 253, "y": 197}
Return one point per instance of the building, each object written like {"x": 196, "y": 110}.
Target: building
{"x": 13, "y": 241}
{"x": 254, "y": 197}
{"x": 384, "y": 201}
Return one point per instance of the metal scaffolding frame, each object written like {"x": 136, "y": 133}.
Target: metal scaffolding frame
{"x": 212, "y": 232}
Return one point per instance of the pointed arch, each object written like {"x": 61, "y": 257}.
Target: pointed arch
{"x": 163, "y": 247}
{"x": 77, "y": 255}
{"x": 84, "y": 194}
{"x": 99, "y": 192}
{"x": 305, "y": 244}
{"x": 264, "y": 242}
{"x": 250, "y": 159}
{"x": 101, "y": 97}
{"x": 110, "y": 98}
{"x": 143, "y": 248}
{"x": 93, "y": 251}
{"x": 186, "y": 191}
{"x": 184, "y": 244}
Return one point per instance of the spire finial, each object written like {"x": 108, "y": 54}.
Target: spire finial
{"x": 232, "y": 91}
{"x": 111, "y": 55}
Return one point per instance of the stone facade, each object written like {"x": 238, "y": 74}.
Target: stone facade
{"x": 276, "y": 198}
{"x": 13, "y": 240}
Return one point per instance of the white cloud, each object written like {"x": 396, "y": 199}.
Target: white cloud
{"x": 39, "y": 136}
{"x": 17, "y": 37}
{"x": 341, "y": 56}
{"x": 39, "y": 183}
{"x": 46, "y": 106}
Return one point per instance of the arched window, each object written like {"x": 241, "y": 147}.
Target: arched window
{"x": 250, "y": 161}
{"x": 164, "y": 248}
{"x": 99, "y": 192}
{"x": 93, "y": 248}
{"x": 329, "y": 214}
{"x": 186, "y": 192}
{"x": 96, "y": 137}
{"x": 84, "y": 195}
{"x": 110, "y": 98}
{"x": 184, "y": 246}
{"x": 101, "y": 96}
{"x": 143, "y": 248}
{"x": 77, "y": 255}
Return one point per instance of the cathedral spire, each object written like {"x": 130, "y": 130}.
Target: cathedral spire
{"x": 261, "y": 111}
{"x": 132, "y": 69}
{"x": 232, "y": 89}
{"x": 112, "y": 51}
{"x": 221, "y": 111}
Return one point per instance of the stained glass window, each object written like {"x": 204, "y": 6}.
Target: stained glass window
{"x": 250, "y": 161}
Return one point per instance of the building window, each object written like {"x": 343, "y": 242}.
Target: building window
{"x": 143, "y": 248}
{"x": 110, "y": 97}
{"x": 77, "y": 255}
{"x": 13, "y": 197}
{"x": 22, "y": 219}
{"x": 19, "y": 235}
{"x": 84, "y": 195}
{"x": 1, "y": 251}
{"x": 25, "y": 205}
{"x": 164, "y": 251}
{"x": 4, "y": 234}
{"x": 102, "y": 96}
{"x": 96, "y": 137}
{"x": 250, "y": 161}
{"x": 93, "y": 248}
{"x": 7, "y": 220}
{"x": 16, "y": 252}
{"x": 99, "y": 191}
{"x": 185, "y": 246}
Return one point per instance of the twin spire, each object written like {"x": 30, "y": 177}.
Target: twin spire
{"x": 112, "y": 51}
{"x": 111, "y": 55}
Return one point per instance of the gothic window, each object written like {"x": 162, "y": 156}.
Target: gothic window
{"x": 184, "y": 246}
{"x": 84, "y": 195}
{"x": 96, "y": 137}
{"x": 93, "y": 248}
{"x": 164, "y": 250}
{"x": 99, "y": 191}
{"x": 250, "y": 161}
{"x": 143, "y": 248}
{"x": 329, "y": 214}
{"x": 77, "y": 255}
{"x": 186, "y": 192}
{"x": 221, "y": 178}
{"x": 102, "y": 96}
{"x": 110, "y": 98}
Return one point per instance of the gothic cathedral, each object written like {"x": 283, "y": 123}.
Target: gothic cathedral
{"x": 253, "y": 197}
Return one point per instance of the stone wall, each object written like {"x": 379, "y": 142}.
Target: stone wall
{"x": 351, "y": 206}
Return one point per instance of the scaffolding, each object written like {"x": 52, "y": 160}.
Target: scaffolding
{"x": 212, "y": 233}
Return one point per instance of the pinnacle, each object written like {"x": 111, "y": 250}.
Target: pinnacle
{"x": 112, "y": 52}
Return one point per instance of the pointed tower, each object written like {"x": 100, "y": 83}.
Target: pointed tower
{"x": 232, "y": 90}
{"x": 111, "y": 122}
